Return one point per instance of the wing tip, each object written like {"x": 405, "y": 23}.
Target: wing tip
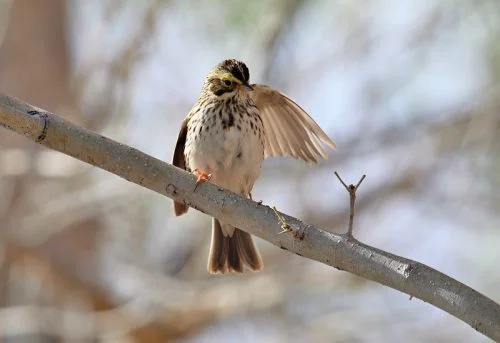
{"x": 331, "y": 144}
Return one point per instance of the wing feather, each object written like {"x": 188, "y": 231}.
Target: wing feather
{"x": 288, "y": 129}
{"x": 179, "y": 160}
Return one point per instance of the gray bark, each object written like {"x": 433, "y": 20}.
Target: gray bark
{"x": 341, "y": 252}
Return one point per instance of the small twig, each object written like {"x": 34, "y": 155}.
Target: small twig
{"x": 359, "y": 182}
{"x": 342, "y": 181}
{"x": 250, "y": 197}
{"x": 284, "y": 225}
{"x": 351, "y": 189}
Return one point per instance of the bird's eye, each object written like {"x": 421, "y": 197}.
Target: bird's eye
{"x": 227, "y": 82}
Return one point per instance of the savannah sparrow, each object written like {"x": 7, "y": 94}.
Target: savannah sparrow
{"x": 225, "y": 137}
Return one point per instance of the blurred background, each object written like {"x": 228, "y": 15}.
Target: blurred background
{"x": 407, "y": 89}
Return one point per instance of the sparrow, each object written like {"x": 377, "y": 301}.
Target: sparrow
{"x": 225, "y": 137}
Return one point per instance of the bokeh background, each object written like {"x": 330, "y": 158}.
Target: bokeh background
{"x": 407, "y": 89}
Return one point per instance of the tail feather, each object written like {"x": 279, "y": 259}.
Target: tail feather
{"x": 219, "y": 249}
{"x": 180, "y": 208}
{"x": 232, "y": 253}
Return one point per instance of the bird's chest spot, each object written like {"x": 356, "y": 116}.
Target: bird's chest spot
{"x": 228, "y": 120}
{"x": 224, "y": 139}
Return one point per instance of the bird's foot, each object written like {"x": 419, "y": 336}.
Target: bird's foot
{"x": 250, "y": 197}
{"x": 202, "y": 176}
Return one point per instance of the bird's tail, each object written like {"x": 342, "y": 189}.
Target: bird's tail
{"x": 232, "y": 253}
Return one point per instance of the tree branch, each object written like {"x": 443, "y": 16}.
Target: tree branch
{"x": 341, "y": 252}
{"x": 351, "y": 189}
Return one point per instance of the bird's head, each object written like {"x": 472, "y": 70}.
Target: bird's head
{"x": 228, "y": 77}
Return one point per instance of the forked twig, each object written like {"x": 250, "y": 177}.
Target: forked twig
{"x": 351, "y": 189}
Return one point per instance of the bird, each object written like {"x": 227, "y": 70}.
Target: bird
{"x": 230, "y": 130}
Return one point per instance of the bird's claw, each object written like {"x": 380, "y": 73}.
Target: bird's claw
{"x": 202, "y": 176}
{"x": 250, "y": 197}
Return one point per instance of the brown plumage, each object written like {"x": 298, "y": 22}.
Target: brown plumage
{"x": 230, "y": 130}
{"x": 291, "y": 130}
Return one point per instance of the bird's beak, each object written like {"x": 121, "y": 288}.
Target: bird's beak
{"x": 247, "y": 85}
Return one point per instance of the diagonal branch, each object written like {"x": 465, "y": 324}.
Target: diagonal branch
{"x": 411, "y": 277}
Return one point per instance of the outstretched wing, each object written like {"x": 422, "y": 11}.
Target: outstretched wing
{"x": 179, "y": 160}
{"x": 288, "y": 129}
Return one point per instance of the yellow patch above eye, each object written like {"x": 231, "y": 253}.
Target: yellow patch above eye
{"x": 230, "y": 77}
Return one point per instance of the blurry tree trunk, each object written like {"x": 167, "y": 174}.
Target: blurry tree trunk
{"x": 34, "y": 65}
{"x": 33, "y": 57}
